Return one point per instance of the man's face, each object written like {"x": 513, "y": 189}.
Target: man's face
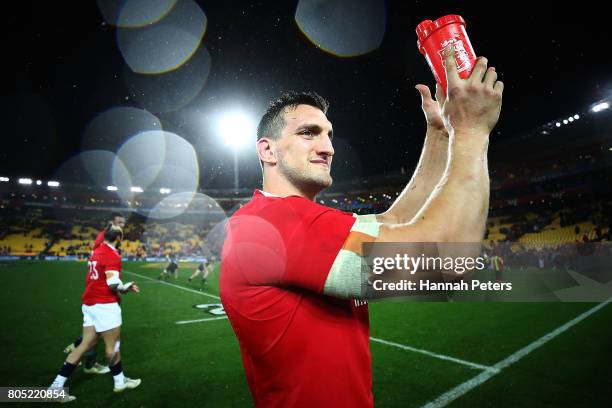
{"x": 304, "y": 150}
{"x": 119, "y": 222}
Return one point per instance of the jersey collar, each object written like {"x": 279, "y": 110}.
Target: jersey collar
{"x": 266, "y": 194}
{"x": 111, "y": 246}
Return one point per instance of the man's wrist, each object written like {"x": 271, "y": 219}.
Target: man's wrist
{"x": 434, "y": 132}
{"x": 470, "y": 133}
{"x": 436, "y": 140}
{"x": 470, "y": 146}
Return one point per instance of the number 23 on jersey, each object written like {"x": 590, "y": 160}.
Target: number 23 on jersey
{"x": 93, "y": 272}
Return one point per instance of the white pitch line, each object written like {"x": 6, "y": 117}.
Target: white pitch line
{"x": 440, "y": 356}
{"x": 201, "y": 320}
{"x": 173, "y": 285}
{"x": 436, "y": 355}
{"x": 474, "y": 382}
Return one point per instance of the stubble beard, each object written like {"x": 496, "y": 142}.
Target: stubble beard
{"x": 302, "y": 179}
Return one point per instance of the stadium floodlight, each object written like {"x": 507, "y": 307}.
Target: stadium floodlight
{"x": 112, "y": 188}
{"x": 164, "y": 190}
{"x": 4, "y": 179}
{"x": 53, "y": 183}
{"x": 25, "y": 181}
{"x": 565, "y": 122}
{"x": 558, "y": 124}
{"x": 576, "y": 116}
{"x": 600, "y": 106}
{"x": 571, "y": 118}
{"x": 136, "y": 189}
{"x": 236, "y": 128}
{"x": 38, "y": 182}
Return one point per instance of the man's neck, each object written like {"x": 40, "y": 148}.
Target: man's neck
{"x": 285, "y": 189}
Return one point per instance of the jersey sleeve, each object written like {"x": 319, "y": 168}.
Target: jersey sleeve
{"x": 292, "y": 243}
{"x": 112, "y": 262}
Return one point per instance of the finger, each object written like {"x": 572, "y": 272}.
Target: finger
{"x": 425, "y": 93}
{"x": 490, "y": 77}
{"x": 480, "y": 69}
{"x": 440, "y": 95}
{"x": 450, "y": 66}
{"x": 499, "y": 87}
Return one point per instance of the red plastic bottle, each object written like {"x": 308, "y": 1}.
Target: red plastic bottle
{"x": 435, "y": 36}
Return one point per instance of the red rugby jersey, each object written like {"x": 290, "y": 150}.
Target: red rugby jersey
{"x": 299, "y": 347}
{"x": 105, "y": 258}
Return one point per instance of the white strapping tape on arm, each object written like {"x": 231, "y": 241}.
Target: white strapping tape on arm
{"x": 368, "y": 224}
{"x": 349, "y": 272}
{"x": 114, "y": 280}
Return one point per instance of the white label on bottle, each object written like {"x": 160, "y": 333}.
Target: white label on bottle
{"x": 461, "y": 55}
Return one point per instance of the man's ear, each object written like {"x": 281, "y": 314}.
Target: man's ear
{"x": 265, "y": 151}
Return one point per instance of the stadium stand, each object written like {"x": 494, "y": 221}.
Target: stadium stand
{"x": 546, "y": 202}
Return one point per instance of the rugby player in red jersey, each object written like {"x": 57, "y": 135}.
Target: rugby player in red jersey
{"x": 291, "y": 279}
{"x": 117, "y": 220}
{"x": 101, "y": 311}
{"x": 91, "y": 365}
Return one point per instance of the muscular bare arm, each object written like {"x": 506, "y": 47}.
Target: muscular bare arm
{"x": 457, "y": 209}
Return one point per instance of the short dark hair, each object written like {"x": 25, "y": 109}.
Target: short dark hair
{"x": 272, "y": 122}
{"x": 111, "y": 234}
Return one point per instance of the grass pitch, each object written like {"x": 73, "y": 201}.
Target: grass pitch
{"x": 424, "y": 351}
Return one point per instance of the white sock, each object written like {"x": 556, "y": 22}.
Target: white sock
{"x": 59, "y": 382}
{"x": 119, "y": 379}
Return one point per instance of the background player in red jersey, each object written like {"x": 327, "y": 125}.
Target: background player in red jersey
{"x": 292, "y": 281}
{"x": 101, "y": 311}
{"x": 116, "y": 220}
{"x": 91, "y": 365}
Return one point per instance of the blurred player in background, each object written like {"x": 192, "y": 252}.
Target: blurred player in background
{"x": 91, "y": 365}
{"x": 203, "y": 269}
{"x": 117, "y": 220}
{"x": 171, "y": 269}
{"x": 497, "y": 266}
{"x": 101, "y": 312}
